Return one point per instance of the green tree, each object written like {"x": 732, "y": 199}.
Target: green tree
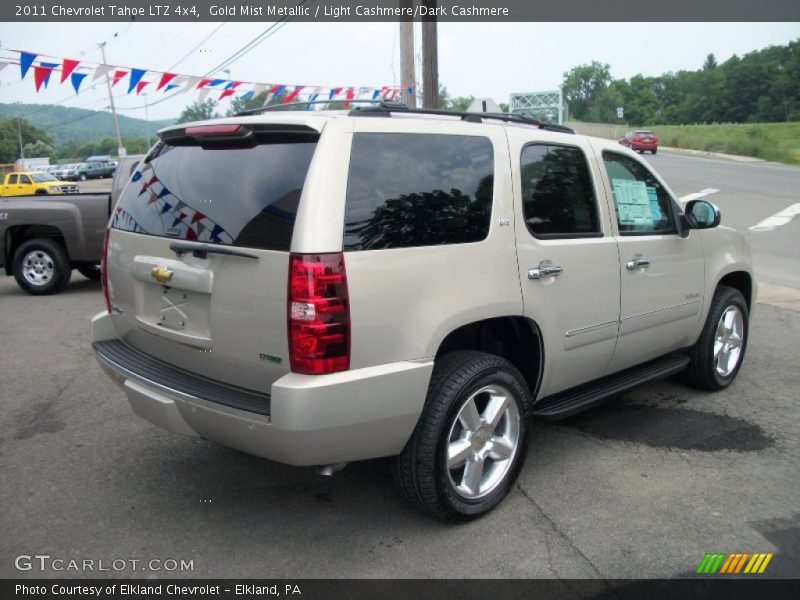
{"x": 38, "y": 149}
{"x": 583, "y": 84}
{"x": 710, "y": 63}
{"x": 199, "y": 111}
{"x": 10, "y": 132}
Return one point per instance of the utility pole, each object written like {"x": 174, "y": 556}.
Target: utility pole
{"x": 19, "y": 133}
{"x": 430, "y": 59}
{"x": 120, "y": 147}
{"x": 407, "y": 72}
{"x": 147, "y": 121}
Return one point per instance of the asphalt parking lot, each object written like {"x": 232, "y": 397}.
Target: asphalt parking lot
{"x": 643, "y": 486}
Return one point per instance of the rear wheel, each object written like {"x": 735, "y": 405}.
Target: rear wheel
{"x": 654, "y": 150}
{"x": 718, "y": 354}
{"x": 82, "y": 176}
{"x": 41, "y": 267}
{"x": 466, "y": 451}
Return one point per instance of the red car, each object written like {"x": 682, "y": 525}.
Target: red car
{"x": 640, "y": 140}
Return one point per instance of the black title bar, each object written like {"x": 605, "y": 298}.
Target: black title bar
{"x": 396, "y": 10}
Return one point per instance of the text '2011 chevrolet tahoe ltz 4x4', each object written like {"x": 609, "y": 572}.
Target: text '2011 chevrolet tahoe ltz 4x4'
{"x": 317, "y": 288}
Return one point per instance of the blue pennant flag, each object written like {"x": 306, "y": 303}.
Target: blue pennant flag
{"x": 176, "y": 222}
{"x": 375, "y": 94}
{"x": 247, "y": 95}
{"x": 214, "y": 82}
{"x": 171, "y": 86}
{"x": 25, "y": 62}
{"x": 136, "y": 77}
{"x": 215, "y": 233}
{"x": 77, "y": 79}
{"x": 163, "y": 192}
{"x": 137, "y": 175}
{"x": 166, "y": 207}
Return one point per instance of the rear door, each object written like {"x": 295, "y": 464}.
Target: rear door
{"x": 199, "y": 250}
{"x": 567, "y": 255}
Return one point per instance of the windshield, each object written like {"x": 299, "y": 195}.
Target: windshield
{"x": 42, "y": 177}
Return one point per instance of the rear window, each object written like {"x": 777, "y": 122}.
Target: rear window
{"x": 219, "y": 194}
{"x": 409, "y": 189}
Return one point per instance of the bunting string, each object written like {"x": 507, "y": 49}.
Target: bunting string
{"x": 135, "y": 80}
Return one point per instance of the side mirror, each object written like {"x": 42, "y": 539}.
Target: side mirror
{"x": 701, "y": 214}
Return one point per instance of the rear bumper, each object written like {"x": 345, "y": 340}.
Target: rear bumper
{"x": 308, "y": 420}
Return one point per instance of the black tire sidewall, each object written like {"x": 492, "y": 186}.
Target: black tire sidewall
{"x": 702, "y": 371}
{"x": 467, "y": 508}
{"x": 732, "y": 298}
{"x": 61, "y": 266}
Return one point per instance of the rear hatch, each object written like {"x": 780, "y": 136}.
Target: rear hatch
{"x": 198, "y": 251}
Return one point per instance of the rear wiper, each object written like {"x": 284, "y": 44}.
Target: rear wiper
{"x": 202, "y": 250}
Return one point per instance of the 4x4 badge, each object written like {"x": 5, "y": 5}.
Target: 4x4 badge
{"x": 161, "y": 274}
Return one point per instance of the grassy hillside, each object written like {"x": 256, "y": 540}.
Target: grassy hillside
{"x": 65, "y": 124}
{"x": 779, "y": 142}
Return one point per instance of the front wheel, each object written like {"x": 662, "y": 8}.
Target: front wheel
{"x": 82, "y": 176}
{"x": 41, "y": 267}
{"x": 718, "y": 354}
{"x": 470, "y": 442}
{"x": 90, "y": 271}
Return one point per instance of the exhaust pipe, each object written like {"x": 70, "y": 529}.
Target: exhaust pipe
{"x": 329, "y": 470}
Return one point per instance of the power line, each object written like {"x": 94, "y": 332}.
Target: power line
{"x": 203, "y": 41}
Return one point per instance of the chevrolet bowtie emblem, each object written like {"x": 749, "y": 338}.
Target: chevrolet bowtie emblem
{"x": 161, "y": 274}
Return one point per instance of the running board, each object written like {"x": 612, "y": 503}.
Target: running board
{"x": 577, "y": 399}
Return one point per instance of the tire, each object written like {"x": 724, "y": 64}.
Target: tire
{"x": 40, "y": 193}
{"x": 654, "y": 150}
{"x": 421, "y": 472}
{"x": 90, "y": 271}
{"x": 713, "y": 367}
{"x": 41, "y": 267}
{"x": 82, "y": 176}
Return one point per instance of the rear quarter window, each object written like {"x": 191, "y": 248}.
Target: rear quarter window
{"x": 408, "y": 189}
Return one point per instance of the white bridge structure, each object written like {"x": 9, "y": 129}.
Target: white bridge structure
{"x": 547, "y": 106}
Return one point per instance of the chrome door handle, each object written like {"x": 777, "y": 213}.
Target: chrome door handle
{"x": 637, "y": 262}
{"x": 544, "y": 271}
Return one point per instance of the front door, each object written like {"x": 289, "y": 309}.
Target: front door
{"x": 661, "y": 273}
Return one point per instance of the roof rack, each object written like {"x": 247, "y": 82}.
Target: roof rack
{"x": 271, "y": 107}
{"x": 385, "y": 108}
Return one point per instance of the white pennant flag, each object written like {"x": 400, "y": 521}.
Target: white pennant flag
{"x": 3, "y": 65}
{"x": 259, "y": 89}
{"x": 202, "y": 95}
{"x": 101, "y": 70}
{"x": 191, "y": 82}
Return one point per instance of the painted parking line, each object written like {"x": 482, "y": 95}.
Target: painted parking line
{"x": 696, "y": 195}
{"x": 778, "y": 219}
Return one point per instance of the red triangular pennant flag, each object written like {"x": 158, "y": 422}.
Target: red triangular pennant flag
{"x": 117, "y": 76}
{"x": 67, "y": 68}
{"x": 203, "y": 83}
{"x": 230, "y": 89}
{"x": 197, "y": 216}
{"x": 292, "y": 95}
{"x": 40, "y": 74}
{"x": 351, "y": 93}
{"x": 140, "y": 86}
{"x": 165, "y": 79}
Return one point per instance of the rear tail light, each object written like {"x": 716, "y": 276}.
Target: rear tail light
{"x": 104, "y": 270}
{"x": 318, "y": 314}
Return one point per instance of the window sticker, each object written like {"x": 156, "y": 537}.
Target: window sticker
{"x": 655, "y": 209}
{"x": 633, "y": 203}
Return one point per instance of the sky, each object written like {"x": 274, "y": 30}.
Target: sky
{"x": 478, "y": 59}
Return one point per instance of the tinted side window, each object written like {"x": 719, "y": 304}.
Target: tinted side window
{"x": 642, "y": 204}
{"x": 24, "y": 179}
{"x": 12, "y": 179}
{"x": 409, "y": 189}
{"x": 558, "y": 196}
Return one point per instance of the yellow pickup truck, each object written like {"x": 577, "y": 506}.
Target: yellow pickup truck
{"x": 30, "y": 183}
